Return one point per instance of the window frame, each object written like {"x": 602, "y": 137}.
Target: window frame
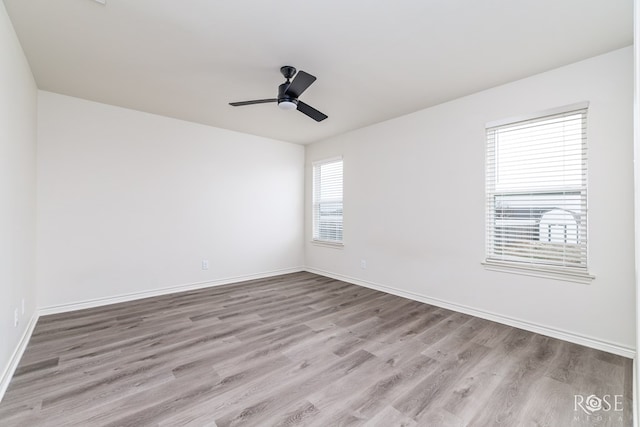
{"x": 315, "y": 232}
{"x": 546, "y": 268}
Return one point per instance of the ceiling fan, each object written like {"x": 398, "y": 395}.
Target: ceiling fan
{"x": 288, "y": 93}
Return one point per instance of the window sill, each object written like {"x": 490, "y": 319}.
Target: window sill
{"x": 327, "y": 244}
{"x": 537, "y": 271}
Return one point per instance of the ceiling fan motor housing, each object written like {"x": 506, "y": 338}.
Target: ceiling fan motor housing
{"x": 282, "y": 96}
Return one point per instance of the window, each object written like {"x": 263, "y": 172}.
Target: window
{"x": 536, "y": 189}
{"x": 327, "y": 201}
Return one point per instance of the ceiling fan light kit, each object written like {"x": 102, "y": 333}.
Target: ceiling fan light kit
{"x": 289, "y": 92}
{"x": 288, "y": 105}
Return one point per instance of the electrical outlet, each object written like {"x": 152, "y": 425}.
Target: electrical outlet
{"x": 205, "y": 264}
{"x": 16, "y": 319}
{"x": 363, "y": 264}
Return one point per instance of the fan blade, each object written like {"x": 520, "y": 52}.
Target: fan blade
{"x": 257, "y": 101}
{"x": 299, "y": 84}
{"x": 311, "y": 112}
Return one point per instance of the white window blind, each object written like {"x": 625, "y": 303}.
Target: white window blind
{"x": 327, "y": 201}
{"x": 536, "y": 188}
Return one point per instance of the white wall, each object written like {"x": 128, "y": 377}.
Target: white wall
{"x": 17, "y": 191}
{"x": 131, "y": 202}
{"x": 414, "y": 204}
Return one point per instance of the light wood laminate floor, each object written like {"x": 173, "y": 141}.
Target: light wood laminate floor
{"x": 302, "y": 349}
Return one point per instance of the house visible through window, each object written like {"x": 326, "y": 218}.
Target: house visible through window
{"x": 327, "y": 201}
{"x": 536, "y": 189}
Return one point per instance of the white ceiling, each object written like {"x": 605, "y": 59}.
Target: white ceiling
{"x": 374, "y": 59}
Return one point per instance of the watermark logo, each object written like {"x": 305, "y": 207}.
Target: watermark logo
{"x": 592, "y": 404}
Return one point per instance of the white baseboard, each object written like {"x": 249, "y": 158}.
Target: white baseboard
{"x": 80, "y": 305}
{"x": 10, "y": 369}
{"x": 507, "y": 320}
